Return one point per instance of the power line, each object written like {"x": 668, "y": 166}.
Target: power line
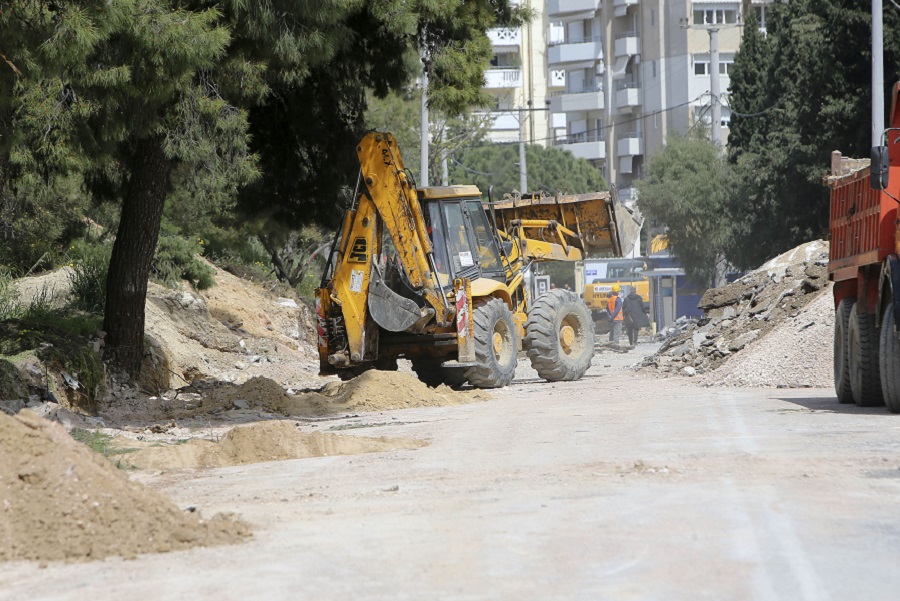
{"x": 625, "y": 122}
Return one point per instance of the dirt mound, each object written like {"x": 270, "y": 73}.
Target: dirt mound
{"x": 266, "y": 441}
{"x": 796, "y": 354}
{"x": 230, "y": 332}
{"x": 372, "y": 391}
{"x": 61, "y": 501}
{"x": 769, "y": 303}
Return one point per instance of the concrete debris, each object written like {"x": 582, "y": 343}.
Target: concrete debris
{"x": 787, "y": 299}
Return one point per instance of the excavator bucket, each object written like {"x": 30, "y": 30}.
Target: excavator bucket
{"x": 604, "y": 225}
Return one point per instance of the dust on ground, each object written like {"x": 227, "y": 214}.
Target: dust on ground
{"x": 61, "y": 501}
{"x": 254, "y": 443}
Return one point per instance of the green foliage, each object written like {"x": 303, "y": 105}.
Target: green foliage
{"x": 805, "y": 87}
{"x": 96, "y": 440}
{"x": 399, "y": 114}
{"x": 177, "y": 259}
{"x": 549, "y": 169}
{"x": 9, "y": 296}
{"x": 686, "y": 188}
{"x": 90, "y": 264}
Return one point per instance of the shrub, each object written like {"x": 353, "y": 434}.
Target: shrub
{"x": 176, "y": 259}
{"x": 9, "y": 297}
{"x": 90, "y": 265}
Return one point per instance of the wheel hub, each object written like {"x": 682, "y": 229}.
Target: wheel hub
{"x": 498, "y": 343}
{"x": 566, "y": 337}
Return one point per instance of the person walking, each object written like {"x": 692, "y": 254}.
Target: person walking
{"x": 635, "y": 311}
{"x": 616, "y": 317}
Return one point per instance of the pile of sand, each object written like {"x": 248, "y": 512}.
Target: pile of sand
{"x": 61, "y": 501}
{"x": 372, "y": 391}
{"x": 266, "y": 441}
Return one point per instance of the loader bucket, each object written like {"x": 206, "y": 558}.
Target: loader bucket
{"x": 604, "y": 225}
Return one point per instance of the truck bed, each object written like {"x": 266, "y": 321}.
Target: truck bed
{"x": 861, "y": 219}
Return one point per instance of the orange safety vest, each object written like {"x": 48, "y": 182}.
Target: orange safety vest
{"x": 611, "y": 307}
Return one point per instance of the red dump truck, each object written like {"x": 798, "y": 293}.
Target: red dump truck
{"x": 865, "y": 268}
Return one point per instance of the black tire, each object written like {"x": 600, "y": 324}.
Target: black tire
{"x": 430, "y": 372}
{"x": 842, "y": 352}
{"x": 495, "y": 345}
{"x": 889, "y": 361}
{"x": 559, "y": 336}
{"x": 862, "y": 342}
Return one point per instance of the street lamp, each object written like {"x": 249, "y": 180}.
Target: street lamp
{"x": 714, "y": 87}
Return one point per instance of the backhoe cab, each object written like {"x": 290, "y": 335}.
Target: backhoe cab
{"x": 426, "y": 274}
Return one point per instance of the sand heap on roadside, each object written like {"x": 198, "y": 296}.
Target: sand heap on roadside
{"x": 265, "y": 441}
{"x": 61, "y": 501}
{"x": 372, "y": 391}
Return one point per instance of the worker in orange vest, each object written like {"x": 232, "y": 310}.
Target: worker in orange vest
{"x": 614, "y": 308}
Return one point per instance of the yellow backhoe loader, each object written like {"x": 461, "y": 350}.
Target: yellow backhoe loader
{"x": 429, "y": 275}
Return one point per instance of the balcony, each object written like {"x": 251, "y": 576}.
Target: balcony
{"x": 628, "y": 96}
{"x": 620, "y": 7}
{"x": 570, "y": 55}
{"x": 629, "y": 144}
{"x": 561, "y": 9}
{"x": 500, "y": 121}
{"x": 499, "y": 79}
{"x": 582, "y": 146}
{"x": 627, "y": 44}
{"x": 502, "y": 36}
{"x": 578, "y": 101}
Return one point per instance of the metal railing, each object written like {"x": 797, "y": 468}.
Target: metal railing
{"x": 596, "y": 136}
{"x": 595, "y": 40}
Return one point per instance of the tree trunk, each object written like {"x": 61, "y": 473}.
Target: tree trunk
{"x": 132, "y": 254}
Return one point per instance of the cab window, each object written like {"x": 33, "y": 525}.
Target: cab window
{"x": 488, "y": 254}
{"x": 461, "y": 255}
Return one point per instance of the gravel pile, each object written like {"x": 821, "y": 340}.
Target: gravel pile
{"x": 772, "y": 327}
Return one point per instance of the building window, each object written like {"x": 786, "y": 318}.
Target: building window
{"x": 653, "y": 65}
{"x": 701, "y": 67}
{"x": 761, "y": 15}
{"x": 506, "y": 60}
{"x": 715, "y": 16}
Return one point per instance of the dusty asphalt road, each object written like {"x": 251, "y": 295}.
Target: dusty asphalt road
{"x": 614, "y": 487}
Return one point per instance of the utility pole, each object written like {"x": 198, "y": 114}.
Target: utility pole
{"x": 445, "y": 169}
{"x": 423, "y": 154}
{"x": 715, "y": 88}
{"x": 877, "y": 73}
{"x": 523, "y": 169}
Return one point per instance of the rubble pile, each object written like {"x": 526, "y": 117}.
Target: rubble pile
{"x": 739, "y": 315}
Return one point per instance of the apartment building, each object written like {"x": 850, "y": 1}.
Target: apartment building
{"x": 522, "y": 83}
{"x": 636, "y": 71}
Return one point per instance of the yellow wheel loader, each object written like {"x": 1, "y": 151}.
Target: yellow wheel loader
{"x": 430, "y": 275}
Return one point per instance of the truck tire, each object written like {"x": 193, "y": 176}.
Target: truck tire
{"x": 862, "y": 342}
{"x": 889, "y": 361}
{"x": 842, "y": 352}
{"x": 495, "y": 345}
{"x": 430, "y": 372}
{"x": 559, "y": 336}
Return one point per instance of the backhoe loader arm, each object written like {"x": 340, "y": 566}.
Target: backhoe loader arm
{"x": 556, "y": 248}
{"x": 394, "y": 197}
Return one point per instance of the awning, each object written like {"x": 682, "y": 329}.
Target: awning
{"x": 620, "y": 66}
